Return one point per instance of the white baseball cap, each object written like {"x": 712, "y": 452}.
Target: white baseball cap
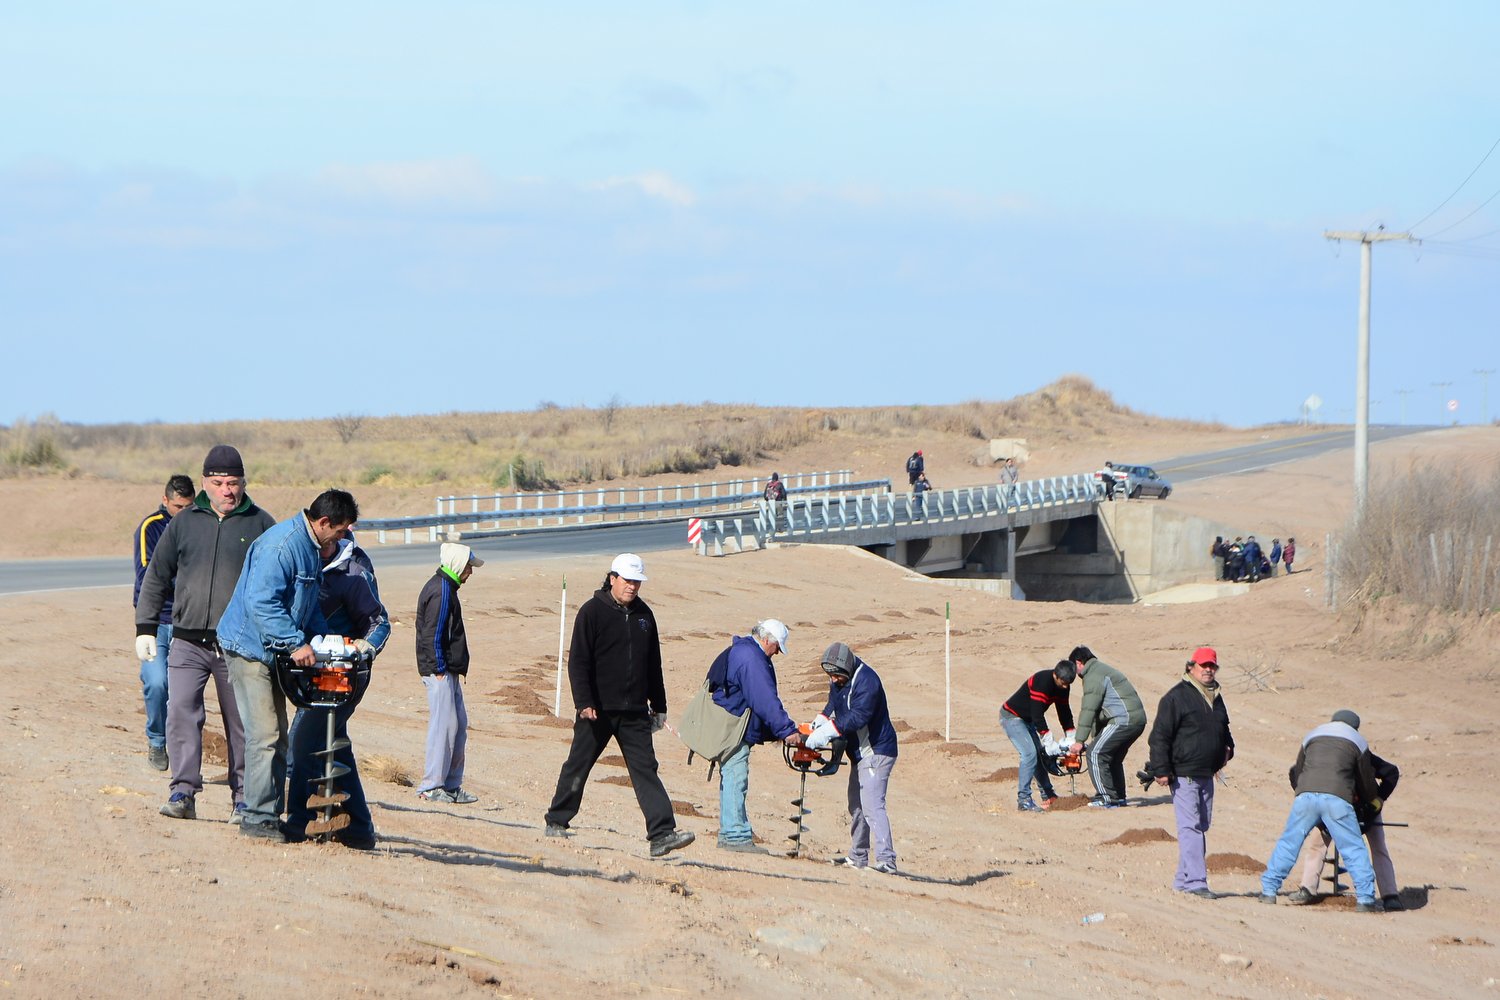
{"x": 777, "y": 630}
{"x": 629, "y": 566}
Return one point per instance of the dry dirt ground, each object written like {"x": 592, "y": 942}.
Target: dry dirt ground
{"x": 101, "y": 896}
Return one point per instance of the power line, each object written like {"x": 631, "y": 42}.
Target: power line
{"x": 1466, "y": 217}
{"x": 1455, "y": 190}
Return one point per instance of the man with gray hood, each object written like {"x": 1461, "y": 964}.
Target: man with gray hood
{"x": 1333, "y": 771}
{"x": 857, "y": 711}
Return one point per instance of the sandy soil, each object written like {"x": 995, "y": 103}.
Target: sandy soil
{"x": 101, "y": 896}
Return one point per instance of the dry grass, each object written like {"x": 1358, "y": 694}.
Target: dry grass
{"x": 1430, "y": 537}
{"x": 546, "y": 448}
{"x": 387, "y": 769}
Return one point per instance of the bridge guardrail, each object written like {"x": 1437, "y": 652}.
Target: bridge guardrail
{"x": 601, "y": 511}
{"x": 824, "y": 516}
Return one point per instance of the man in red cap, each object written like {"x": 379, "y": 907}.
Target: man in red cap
{"x": 1190, "y": 743}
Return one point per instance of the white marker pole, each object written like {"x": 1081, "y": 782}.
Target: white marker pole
{"x": 562, "y": 622}
{"x": 948, "y": 671}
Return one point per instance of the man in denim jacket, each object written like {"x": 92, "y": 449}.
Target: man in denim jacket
{"x": 274, "y": 610}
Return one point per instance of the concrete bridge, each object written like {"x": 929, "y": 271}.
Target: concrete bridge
{"x": 1048, "y": 539}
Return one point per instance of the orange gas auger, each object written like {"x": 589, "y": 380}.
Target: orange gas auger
{"x": 820, "y": 762}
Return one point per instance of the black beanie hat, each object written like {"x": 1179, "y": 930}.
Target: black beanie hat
{"x": 223, "y": 460}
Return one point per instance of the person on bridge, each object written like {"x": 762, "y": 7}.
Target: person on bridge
{"x": 915, "y": 466}
{"x": 197, "y": 564}
{"x": 614, "y": 671}
{"x": 177, "y": 495}
{"x": 1106, "y": 480}
{"x": 750, "y": 683}
{"x": 1112, "y": 712}
{"x": 1024, "y": 719}
{"x": 775, "y": 488}
{"x": 275, "y": 612}
{"x": 443, "y": 662}
{"x": 918, "y": 500}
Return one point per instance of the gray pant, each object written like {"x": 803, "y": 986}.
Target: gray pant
{"x": 447, "y": 733}
{"x": 263, "y": 714}
{"x": 189, "y": 667}
{"x": 867, "y": 817}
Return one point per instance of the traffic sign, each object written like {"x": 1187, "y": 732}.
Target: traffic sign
{"x": 1452, "y": 405}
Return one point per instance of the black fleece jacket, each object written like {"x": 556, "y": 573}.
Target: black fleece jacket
{"x": 614, "y": 663}
{"x": 1189, "y": 739}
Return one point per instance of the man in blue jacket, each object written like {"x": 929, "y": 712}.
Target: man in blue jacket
{"x": 351, "y": 603}
{"x": 275, "y": 609}
{"x": 750, "y": 682}
{"x": 175, "y": 498}
{"x": 857, "y": 711}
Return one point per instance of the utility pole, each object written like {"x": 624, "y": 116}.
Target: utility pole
{"x": 1362, "y": 378}
{"x": 1403, "y": 393}
{"x": 1442, "y": 388}
{"x": 1484, "y": 375}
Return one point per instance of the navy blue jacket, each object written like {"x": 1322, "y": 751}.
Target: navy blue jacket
{"x": 350, "y": 598}
{"x": 147, "y": 533}
{"x": 442, "y": 643}
{"x": 750, "y": 682}
{"x": 859, "y": 712}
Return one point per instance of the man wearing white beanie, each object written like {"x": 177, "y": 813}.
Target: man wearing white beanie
{"x": 442, "y": 659}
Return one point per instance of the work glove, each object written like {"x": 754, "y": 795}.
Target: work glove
{"x": 658, "y": 721}
{"x": 1375, "y": 804}
{"x": 1050, "y": 746}
{"x": 1069, "y": 738}
{"x": 145, "y": 647}
{"x": 823, "y": 733}
{"x": 364, "y": 647}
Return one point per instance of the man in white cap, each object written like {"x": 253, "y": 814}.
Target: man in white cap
{"x": 443, "y": 658}
{"x": 750, "y": 683}
{"x": 614, "y": 671}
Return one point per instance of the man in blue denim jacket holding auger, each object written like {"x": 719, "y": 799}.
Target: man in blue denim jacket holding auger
{"x": 275, "y": 609}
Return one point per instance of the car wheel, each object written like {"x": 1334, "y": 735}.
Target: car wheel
{"x": 1164, "y": 493}
{"x": 1135, "y": 494}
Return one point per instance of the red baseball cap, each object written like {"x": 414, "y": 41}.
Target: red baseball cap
{"x": 1205, "y": 654}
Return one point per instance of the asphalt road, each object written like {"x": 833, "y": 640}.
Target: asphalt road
{"x": 42, "y": 575}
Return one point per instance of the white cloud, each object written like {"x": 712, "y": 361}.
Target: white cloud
{"x": 459, "y": 181}
{"x": 652, "y": 184}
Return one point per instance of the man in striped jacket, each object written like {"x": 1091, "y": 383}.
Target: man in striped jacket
{"x": 175, "y": 498}
{"x": 1113, "y": 714}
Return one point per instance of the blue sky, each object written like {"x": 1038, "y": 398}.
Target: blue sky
{"x": 299, "y": 210}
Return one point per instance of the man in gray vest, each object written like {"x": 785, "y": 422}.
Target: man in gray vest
{"x": 1113, "y": 714}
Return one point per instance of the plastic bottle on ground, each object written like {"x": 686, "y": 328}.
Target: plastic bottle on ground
{"x": 1093, "y": 918}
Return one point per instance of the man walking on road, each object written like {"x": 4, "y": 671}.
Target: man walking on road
{"x": 196, "y": 565}
{"x": 177, "y": 495}
{"x": 614, "y": 671}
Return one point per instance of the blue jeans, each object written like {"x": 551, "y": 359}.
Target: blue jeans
{"x": 263, "y": 715}
{"x": 306, "y": 738}
{"x": 1029, "y": 746}
{"x": 734, "y": 785}
{"x": 1337, "y": 816}
{"x": 154, "y": 687}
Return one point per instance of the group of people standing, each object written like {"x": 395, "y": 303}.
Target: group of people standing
{"x": 1244, "y": 560}
{"x": 1340, "y": 785}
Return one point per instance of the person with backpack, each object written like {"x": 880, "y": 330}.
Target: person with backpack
{"x": 614, "y": 671}
{"x": 775, "y": 488}
{"x": 750, "y": 683}
{"x": 915, "y": 466}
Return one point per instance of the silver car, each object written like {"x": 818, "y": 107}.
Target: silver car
{"x": 1142, "y": 481}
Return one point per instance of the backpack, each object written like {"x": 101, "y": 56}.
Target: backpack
{"x": 707, "y": 729}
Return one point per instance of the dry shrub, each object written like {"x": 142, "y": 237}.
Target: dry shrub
{"x": 387, "y": 769}
{"x": 1429, "y": 537}
{"x": 549, "y": 446}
